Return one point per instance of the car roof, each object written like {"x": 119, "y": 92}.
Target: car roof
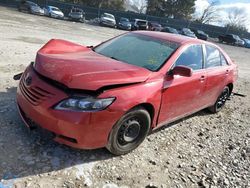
{"x": 171, "y": 37}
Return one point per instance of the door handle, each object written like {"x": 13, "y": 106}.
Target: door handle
{"x": 202, "y": 78}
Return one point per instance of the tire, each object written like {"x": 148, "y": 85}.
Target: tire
{"x": 129, "y": 132}
{"x": 221, "y": 100}
{"x": 82, "y": 20}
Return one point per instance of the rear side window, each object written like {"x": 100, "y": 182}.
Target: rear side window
{"x": 192, "y": 57}
{"x": 212, "y": 57}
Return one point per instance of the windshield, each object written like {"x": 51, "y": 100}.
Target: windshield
{"x": 139, "y": 50}
{"x": 155, "y": 24}
{"x": 32, "y": 4}
{"x": 55, "y": 9}
{"x": 108, "y": 16}
{"x": 237, "y": 37}
{"x": 141, "y": 22}
{"x": 200, "y": 32}
{"x": 247, "y": 40}
{"x": 173, "y": 30}
{"x": 186, "y": 30}
{"x": 124, "y": 20}
{"x": 76, "y": 10}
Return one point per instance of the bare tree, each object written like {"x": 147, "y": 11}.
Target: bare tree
{"x": 237, "y": 17}
{"x": 237, "y": 20}
{"x": 209, "y": 14}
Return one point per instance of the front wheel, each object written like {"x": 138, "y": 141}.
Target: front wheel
{"x": 129, "y": 132}
{"x": 220, "y": 102}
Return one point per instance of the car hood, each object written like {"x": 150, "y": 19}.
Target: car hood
{"x": 108, "y": 19}
{"x": 79, "y": 67}
{"x": 57, "y": 12}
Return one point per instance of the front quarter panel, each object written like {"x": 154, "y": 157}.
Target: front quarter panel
{"x": 130, "y": 96}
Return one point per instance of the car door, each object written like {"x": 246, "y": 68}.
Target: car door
{"x": 183, "y": 95}
{"x": 217, "y": 72}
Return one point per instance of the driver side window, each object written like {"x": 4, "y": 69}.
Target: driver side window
{"x": 192, "y": 57}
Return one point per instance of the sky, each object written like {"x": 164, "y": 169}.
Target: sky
{"x": 224, "y": 7}
{"x": 233, "y": 1}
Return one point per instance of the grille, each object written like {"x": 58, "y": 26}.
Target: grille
{"x": 34, "y": 94}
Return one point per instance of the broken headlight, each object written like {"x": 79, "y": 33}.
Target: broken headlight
{"x": 84, "y": 104}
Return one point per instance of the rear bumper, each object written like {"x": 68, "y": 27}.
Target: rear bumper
{"x": 83, "y": 130}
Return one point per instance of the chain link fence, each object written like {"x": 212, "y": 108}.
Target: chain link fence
{"x": 93, "y": 13}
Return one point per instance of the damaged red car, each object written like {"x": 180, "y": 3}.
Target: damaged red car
{"x": 112, "y": 95}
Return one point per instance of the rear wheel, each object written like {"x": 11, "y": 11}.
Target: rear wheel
{"x": 129, "y": 132}
{"x": 220, "y": 102}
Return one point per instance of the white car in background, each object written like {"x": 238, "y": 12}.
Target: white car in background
{"x": 108, "y": 20}
{"x": 53, "y": 12}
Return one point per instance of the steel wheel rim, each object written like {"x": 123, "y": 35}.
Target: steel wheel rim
{"x": 129, "y": 131}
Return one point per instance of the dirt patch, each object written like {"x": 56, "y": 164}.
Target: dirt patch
{"x": 31, "y": 40}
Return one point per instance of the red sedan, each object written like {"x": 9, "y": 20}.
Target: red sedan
{"x": 112, "y": 95}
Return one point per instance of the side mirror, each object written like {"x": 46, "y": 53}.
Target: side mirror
{"x": 182, "y": 71}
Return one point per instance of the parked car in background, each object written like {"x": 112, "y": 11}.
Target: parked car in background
{"x": 187, "y": 32}
{"x": 30, "y": 7}
{"x": 200, "y": 34}
{"x": 246, "y": 42}
{"x": 170, "y": 30}
{"x": 138, "y": 24}
{"x": 77, "y": 14}
{"x": 239, "y": 41}
{"x": 124, "y": 23}
{"x": 231, "y": 39}
{"x": 108, "y": 20}
{"x": 154, "y": 26}
{"x": 114, "y": 94}
{"x": 53, "y": 12}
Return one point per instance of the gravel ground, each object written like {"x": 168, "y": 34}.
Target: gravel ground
{"x": 202, "y": 150}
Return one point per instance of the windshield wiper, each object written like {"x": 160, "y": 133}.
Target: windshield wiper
{"x": 114, "y": 58}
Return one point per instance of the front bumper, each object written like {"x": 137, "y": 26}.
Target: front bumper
{"x": 85, "y": 130}
{"x": 53, "y": 15}
{"x": 112, "y": 24}
{"x": 37, "y": 12}
{"x": 125, "y": 27}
